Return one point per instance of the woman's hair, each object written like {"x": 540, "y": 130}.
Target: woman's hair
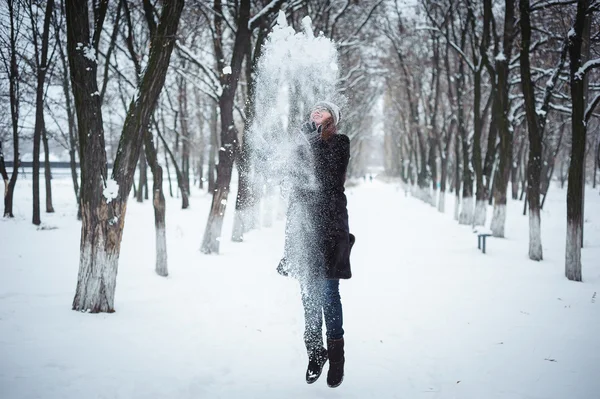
{"x": 329, "y": 128}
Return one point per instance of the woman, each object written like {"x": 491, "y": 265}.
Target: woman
{"x": 318, "y": 242}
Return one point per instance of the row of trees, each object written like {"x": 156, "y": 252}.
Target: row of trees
{"x": 125, "y": 85}
{"x": 490, "y": 93}
{"x": 478, "y": 95}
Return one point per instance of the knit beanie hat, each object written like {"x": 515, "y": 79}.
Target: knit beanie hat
{"x": 333, "y": 109}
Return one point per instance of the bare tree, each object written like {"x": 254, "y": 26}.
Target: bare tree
{"x": 536, "y": 121}
{"x": 12, "y": 71}
{"x": 501, "y": 110}
{"x": 41, "y": 69}
{"x": 104, "y": 200}
{"x": 579, "y": 118}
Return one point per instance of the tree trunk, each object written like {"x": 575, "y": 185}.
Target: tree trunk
{"x": 457, "y": 179}
{"x": 202, "y": 142}
{"x": 490, "y": 154}
{"x": 168, "y": 174}
{"x": 71, "y": 122}
{"x": 481, "y": 192}
{"x": 433, "y": 169}
{"x": 212, "y": 152}
{"x": 158, "y": 202}
{"x": 184, "y": 198}
{"x": 515, "y": 170}
{"x": 135, "y": 190}
{"x": 504, "y": 128}
{"x": 245, "y": 197}
{"x": 146, "y": 194}
{"x": 480, "y": 200}
{"x": 142, "y": 178}
{"x": 524, "y": 161}
{"x": 596, "y": 161}
{"x": 3, "y": 171}
{"x": 41, "y": 69}
{"x": 575, "y": 186}
{"x": 47, "y": 174}
{"x": 229, "y": 140}
{"x": 534, "y": 166}
{"x": 501, "y": 185}
{"x": 14, "y": 111}
{"x": 467, "y": 208}
{"x": 185, "y": 138}
{"x": 563, "y": 177}
{"x": 104, "y": 200}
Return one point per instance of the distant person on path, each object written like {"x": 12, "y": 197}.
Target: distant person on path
{"x": 318, "y": 240}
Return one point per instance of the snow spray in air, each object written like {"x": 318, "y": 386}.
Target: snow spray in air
{"x": 296, "y": 70}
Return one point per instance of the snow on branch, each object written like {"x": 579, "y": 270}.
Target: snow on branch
{"x": 464, "y": 56}
{"x": 561, "y": 108}
{"x": 540, "y": 5}
{"x": 272, "y": 6}
{"x": 551, "y": 83}
{"x": 585, "y": 68}
{"x": 590, "y": 108}
{"x": 196, "y": 60}
{"x": 356, "y": 68}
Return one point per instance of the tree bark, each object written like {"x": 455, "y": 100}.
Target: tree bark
{"x": 245, "y": 198}
{"x": 490, "y": 154}
{"x": 185, "y": 139}
{"x": 504, "y": 127}
{"x": 158, "y": 197}
{"x": 71, "y": 122}
{"x": 457, "y": 179}
{"x": 596, "y": 162}
{"x": 3, "y": 171}
{"x": 229, "y": 141}
{"x": 14, "y": 110}
{"x": 142, "y": 178}
{"x": 467, "y": 206}
{"x": 534, "y": 166}
{"x": 212, "y": 152}
{"x": 478, "y": 118}
{"x": 515, "y": 170}
{"x": 202, "y": 142}
{"x": 47, "y": 174}
{"x": 178, "y": 174}
{"x": 104, "y": 200}
{"x": 41, "y": 70}
{"x": 158, "y": 202}
{"x": 444, "y": 157}
{"x": 576, "y": 167}
{"x": 168, "y": 174}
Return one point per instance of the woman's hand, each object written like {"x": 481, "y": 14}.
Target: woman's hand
{"x": 311, "y": 131}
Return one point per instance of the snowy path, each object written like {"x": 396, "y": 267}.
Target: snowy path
{"x": 426, "y": 315}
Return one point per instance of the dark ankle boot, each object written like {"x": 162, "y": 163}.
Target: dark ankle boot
{"x": 335, "y": 350}
{"x": 316, "y": 361}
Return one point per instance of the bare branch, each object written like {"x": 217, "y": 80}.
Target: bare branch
{"x": 591, "y": 107}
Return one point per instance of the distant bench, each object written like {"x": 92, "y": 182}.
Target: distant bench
{"x": 482, "y": 234}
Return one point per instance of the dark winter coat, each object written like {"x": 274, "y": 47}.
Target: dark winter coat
{"x": 318, "y": 240}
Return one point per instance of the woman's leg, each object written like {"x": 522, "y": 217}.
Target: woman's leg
{"x": 332, "y": 308}
{"x": 312, "y": 300}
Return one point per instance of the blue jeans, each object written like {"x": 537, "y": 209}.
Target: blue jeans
{"x": 321, "y": 296}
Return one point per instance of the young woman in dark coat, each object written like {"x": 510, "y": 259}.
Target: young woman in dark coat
{"x": 318, "y": 241}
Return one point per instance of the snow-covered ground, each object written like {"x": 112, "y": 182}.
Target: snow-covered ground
{"x": 426, "y": 314}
